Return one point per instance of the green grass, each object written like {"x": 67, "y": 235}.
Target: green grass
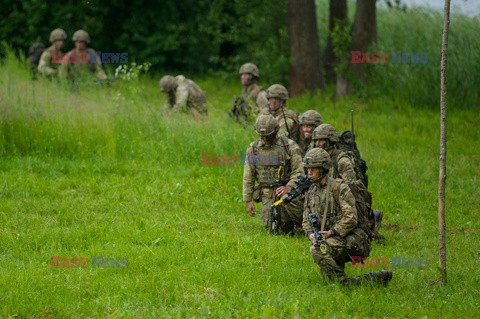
{"x": 105, "y": 172}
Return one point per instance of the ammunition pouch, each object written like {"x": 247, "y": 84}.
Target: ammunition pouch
{"x": 357, "y": 243}
{"x": 257, "y": 194}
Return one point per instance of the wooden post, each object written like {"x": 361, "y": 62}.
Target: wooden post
{"x": 443, "y": 145}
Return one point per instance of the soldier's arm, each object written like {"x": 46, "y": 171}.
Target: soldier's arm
{"x": 181, "y": 97}
{"x": 349, "y": 218}
{"x": 346, "y": 169}
{"x": 296, "y": 162}
{"x": 248, "y": 176}
{"x": 99, "y": 72}
{"x": 262, "y": 103}
{"x": 43, "y": 64}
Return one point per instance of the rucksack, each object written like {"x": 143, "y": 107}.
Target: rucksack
{"x": 363, "y": 204}
{"x": 347, "y": 143}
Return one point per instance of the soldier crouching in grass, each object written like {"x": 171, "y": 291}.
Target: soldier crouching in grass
{"x": 276, "y": 168}
{"x": 332, "y": 224}
{"x": 184, "y": 95}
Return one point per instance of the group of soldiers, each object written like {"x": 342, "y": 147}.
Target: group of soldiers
{"x": 289, "y": 146}
{"x": 80, "y": 62}
{"x": 337, "y": 195}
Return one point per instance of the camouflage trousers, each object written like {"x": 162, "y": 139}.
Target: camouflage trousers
{"x": 291, "y": 215}
{"x": 340, "y": 250}
{"x": 332, "y": 264}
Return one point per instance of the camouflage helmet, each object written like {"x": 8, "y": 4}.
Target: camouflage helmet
{"x": 81, "y": 35}
{"x": 249, "y": 68}
{"x": 325, "y": 131}
{"x": 317, "y": 157}
{"x": 168, "y": 83}
{"x": 311, "y": 117}
{"x": 266, "y": 125}
{"x": 277, "y": 91}
{"x": 57, "y": 34}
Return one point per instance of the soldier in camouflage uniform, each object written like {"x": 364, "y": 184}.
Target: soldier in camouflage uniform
{"x": 183, "y": 95}
{"x": 340, "y": 225}
{"x": 82, "y": 62}
{"x": 34, "y": 53}
{"x": 308, "y": 122}
{"x": 325, "y": 136}
{"x": 272, "y": 159}
{"x": 277, "y": 96}
{"x": 46, "y": 66}
{"x": 253, "y": 100}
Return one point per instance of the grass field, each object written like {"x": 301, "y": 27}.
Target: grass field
{"x": 104, "y": 172}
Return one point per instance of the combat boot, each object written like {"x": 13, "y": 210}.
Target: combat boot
{"x": 381, "y": 277}
{"x": 378, "y": 216}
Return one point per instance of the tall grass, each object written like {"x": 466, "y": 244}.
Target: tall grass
{"x": 420, "y": 31}
{"x": 105, "y": 172}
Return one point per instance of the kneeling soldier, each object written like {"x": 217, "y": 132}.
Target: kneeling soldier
{"x": 331, "y": 202}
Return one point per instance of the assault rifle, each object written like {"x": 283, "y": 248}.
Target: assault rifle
{"x": 275, "y": 216}
{"x": 319, "y": 240}
{"x": 303, "y": 184}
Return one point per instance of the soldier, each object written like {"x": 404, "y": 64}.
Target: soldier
{"x": 333, "y": 204}
{"x": 253, "y": 99}
{"x": 82, "y": 61}
{"x": 344, "y": 166}
{"x": 275, "y": 163}
{"x": 47, "y": 64}
{"x": 277, "y": 96}
{"x": 308, "y": 122}
{"x": 34, "y": 53}
{"x": 325, "y": 136}
{"x": 183, "y": 95}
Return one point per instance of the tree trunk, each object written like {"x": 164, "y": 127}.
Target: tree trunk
{"x": 305, "y": 68}
{"x": 442, "y": 245}
{"x": 364, "y": 33}
{"x": 338, "y": 14}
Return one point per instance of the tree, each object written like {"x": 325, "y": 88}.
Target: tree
{"x": 337, "y": 15}
{"x": 443, "y": 145}
{"x": 364, "y": 33}
{"x": 305, "y": 65}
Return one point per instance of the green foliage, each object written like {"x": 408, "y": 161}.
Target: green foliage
{"x": 188, "y": 36}
{"x": 105, "y": 172}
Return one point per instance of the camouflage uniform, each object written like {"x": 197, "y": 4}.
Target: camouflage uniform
{"x": 341, "y": 219}
{"x": 313, "y": 118}
{"x": 254, "y": 93}
{"x": 343, "y": 161}
{"x": 287, "y": 119}
{"x": 283, "y": 151}
{"x": 87, "y": 63}
{"x": 34, "y": 53}
{"x": 45, "y": 64}
{"x": 334, "y": 198}
{"x": 183, "y": 94}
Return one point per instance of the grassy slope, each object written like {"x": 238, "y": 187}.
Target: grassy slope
{"x": 105, "y": 173}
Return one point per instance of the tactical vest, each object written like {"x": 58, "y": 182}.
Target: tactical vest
{"x": 270, "y": 160}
